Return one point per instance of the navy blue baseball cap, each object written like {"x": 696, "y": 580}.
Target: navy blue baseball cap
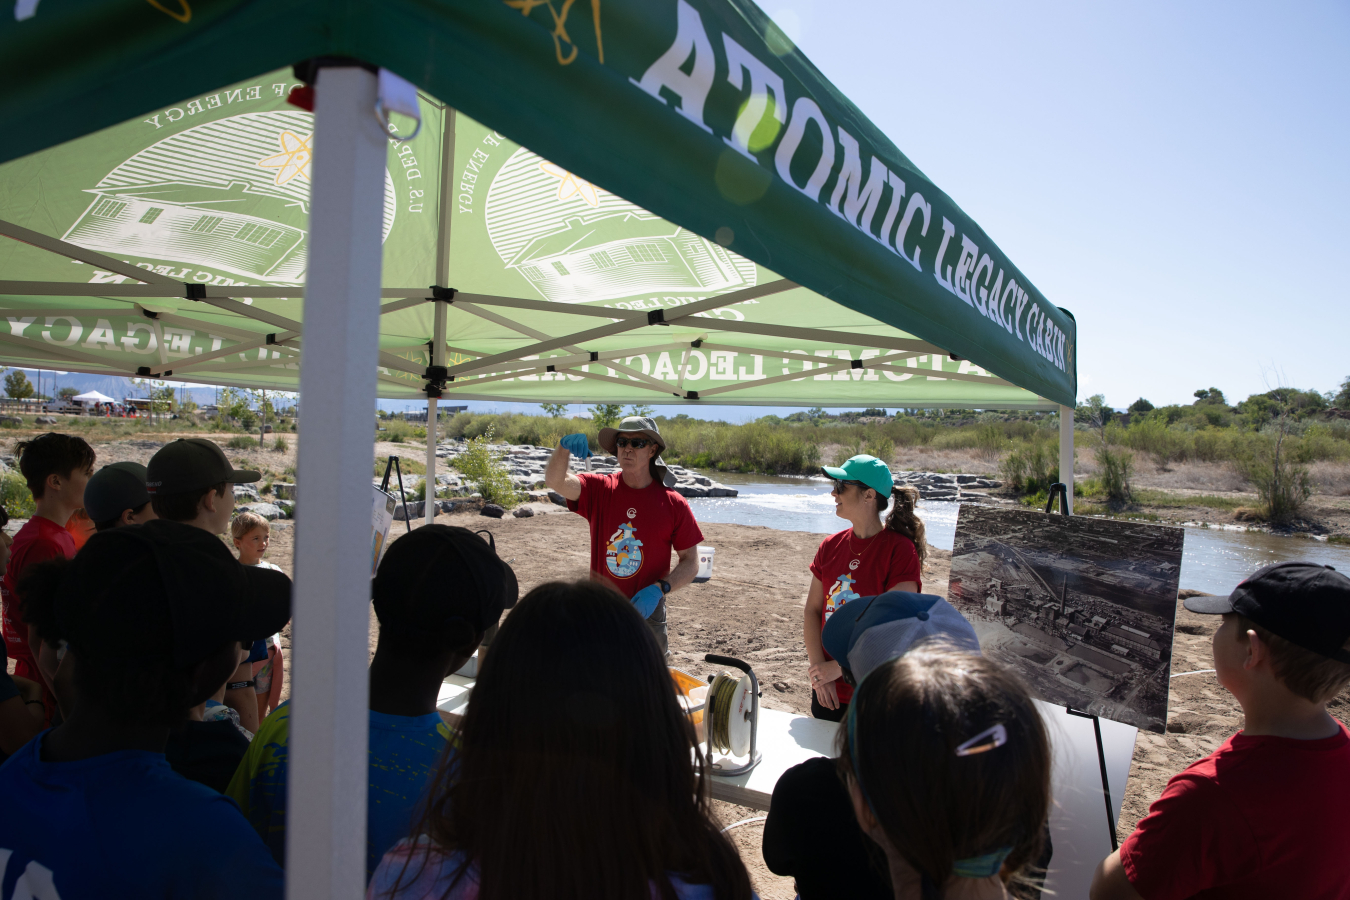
{"x": 1304, "y": 603}
{"x": 866, "y": 632}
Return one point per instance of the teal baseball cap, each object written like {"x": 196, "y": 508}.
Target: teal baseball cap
{"x": 867, "y": 469}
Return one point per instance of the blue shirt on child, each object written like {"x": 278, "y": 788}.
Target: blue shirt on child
{"x": 403, "y": 754}
{"x": 123, "y": 824}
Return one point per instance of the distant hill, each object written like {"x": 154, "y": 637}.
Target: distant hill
{"x": 114, "y": 386}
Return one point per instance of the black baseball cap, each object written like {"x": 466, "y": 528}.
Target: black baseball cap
{"x": 438, "y": 574}
{"x": 192, "y": 464}
{"x": 114, "y": 489}
{"x": 125, "y": 577}
{"x": 1304, "y": 603}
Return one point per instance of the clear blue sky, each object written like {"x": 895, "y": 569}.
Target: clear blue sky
{"x": 1176, "y": 175}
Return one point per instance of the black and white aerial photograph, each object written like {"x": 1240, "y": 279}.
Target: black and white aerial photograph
{"x": 1083, "y": 608}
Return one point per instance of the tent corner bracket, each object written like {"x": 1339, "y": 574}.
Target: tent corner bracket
{"x": 194, "y": 292}
{"x": 443, "y": 293}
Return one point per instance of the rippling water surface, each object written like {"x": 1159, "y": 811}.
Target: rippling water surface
{"x": 1214, "y": 559}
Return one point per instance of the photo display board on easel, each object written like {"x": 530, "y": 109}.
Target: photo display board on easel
{"x": 381, "y": 519}
{"x": 1082, "y": 608}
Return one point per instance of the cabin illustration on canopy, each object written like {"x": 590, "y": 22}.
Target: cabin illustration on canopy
{"x": 621, "y": 254}
{"x": 228, "y": 227}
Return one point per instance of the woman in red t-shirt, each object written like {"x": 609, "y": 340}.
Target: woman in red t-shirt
{"x": 864, "y": 560}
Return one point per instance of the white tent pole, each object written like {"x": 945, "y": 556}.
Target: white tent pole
{"x": 437, "y": 359}
{"x": 1066, "y": 452}
{"x": 440, "y": 308}
{"x": 326, "y": 845}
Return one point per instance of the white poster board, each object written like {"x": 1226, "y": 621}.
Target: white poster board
{"x": 382, "y": 518}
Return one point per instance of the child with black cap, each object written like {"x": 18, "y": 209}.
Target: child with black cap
{"x": 116, "y": 495}
{"x": 437, "y": 590}
{"x": 190, "y": 480}
{"x": 1268, "y": 813}
{"x": 92, "y": 808}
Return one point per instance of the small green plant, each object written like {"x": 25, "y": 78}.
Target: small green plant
{"x": 484, "y": 469}
{"x": 1117, "y": 467}
{"x": 1282, "y": 485}
{"x": 280, "y": 445}
{"x": 1031, "y": 467}
{"x": 990, "y": 442}
{"x": 15, "y": 496}
{"x": 241, "y": 442}
{"x": 883, "y": 448}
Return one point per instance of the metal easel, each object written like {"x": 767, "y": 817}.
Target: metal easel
{"x": 1061, "y": 490}
{"x": 392, "y": 463}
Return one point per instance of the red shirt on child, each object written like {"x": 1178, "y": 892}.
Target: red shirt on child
{"x": 37, "y": 541}
{"x": 849, "y": 567}
{"x": 633, "y": 531}
{"x": 1260, "y": 817}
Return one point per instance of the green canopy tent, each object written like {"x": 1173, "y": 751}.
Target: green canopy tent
{"x": 707, "y": 221}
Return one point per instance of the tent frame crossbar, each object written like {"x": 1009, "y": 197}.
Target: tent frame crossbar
{"x": 521, "y": 328}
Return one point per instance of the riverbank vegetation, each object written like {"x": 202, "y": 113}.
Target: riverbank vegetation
{"x": 1283, "y": 445}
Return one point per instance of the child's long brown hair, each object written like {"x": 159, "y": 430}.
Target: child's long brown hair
{"x": 577, "y": 782}
{"x": 909, "y": 716}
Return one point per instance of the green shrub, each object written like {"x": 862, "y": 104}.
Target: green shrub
{"x": 15, "y": 496}
{"x": 883, "y": 448}
{"x": 484, "y": 469}
{"x": 280, "y": 445}
{"x": 1031, "y": 466}
{"x": 1282, "y": 484}
{"x": 242, "y": 442}
{"x": 1152, "y": 436}
{"x": 1117, "y": 467}
{"x": 990, "y": 442}
{"x": 847, "y": 452}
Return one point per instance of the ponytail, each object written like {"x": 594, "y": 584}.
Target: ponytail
{"x": 904, "y": 520}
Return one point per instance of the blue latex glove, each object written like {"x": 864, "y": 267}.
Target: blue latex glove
{"x": 646, "y": 599}
{"x": 576, "y": 445}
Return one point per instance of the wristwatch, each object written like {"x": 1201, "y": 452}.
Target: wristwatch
{"x": 665, "y": 586}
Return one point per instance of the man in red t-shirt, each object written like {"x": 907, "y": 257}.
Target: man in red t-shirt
{"x": 56, "y": 468}
{"x": 635, "y": 517}
{"x": 1268, "y": 813}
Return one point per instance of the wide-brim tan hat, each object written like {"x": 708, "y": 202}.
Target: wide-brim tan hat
{"x": 644, "y": 426}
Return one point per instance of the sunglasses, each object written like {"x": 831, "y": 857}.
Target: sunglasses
{"x": 840, "y": 485}
{"x": 635, "y": 443}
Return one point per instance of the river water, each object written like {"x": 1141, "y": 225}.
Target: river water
{"x": 1214, "y": 559}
